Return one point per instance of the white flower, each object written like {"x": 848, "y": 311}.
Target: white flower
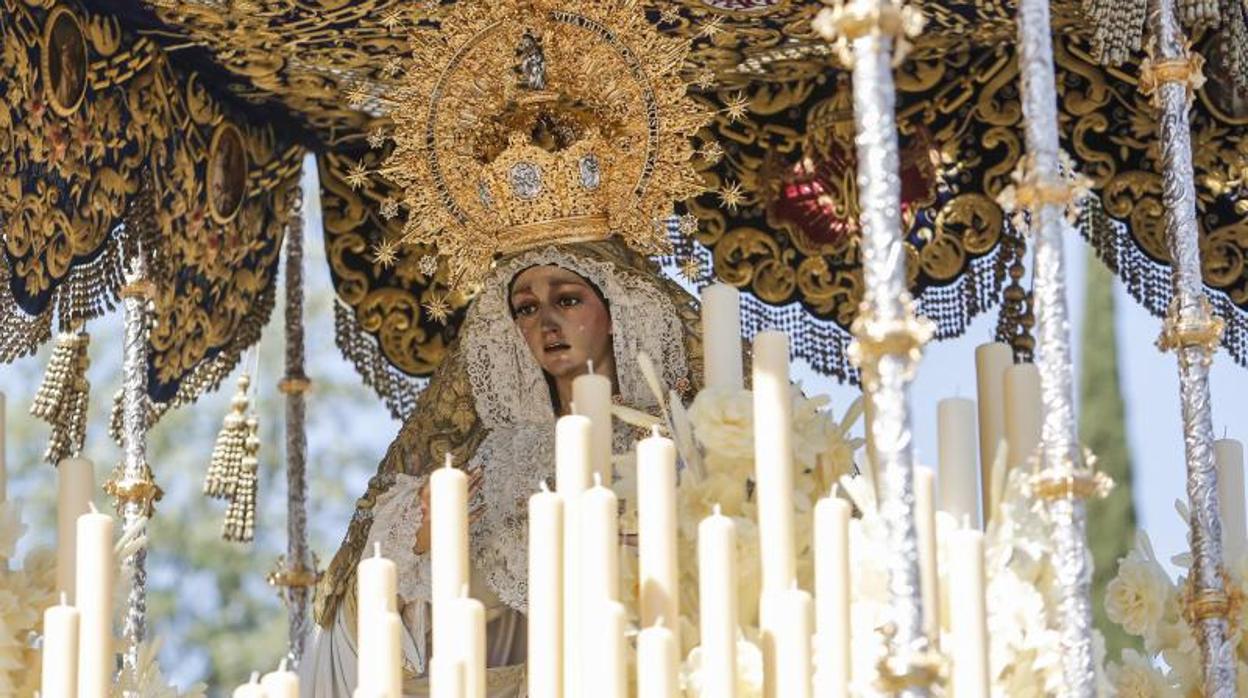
{"x": 723, "y": 422}
{"x": 1136, "y": 677}
{"x": 749, "y": 671}
{"x": 1136, "y": 597}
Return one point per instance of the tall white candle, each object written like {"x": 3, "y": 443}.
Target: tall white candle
{"x": 572, "y": 477}
{"x": 60, "y": 651}
{"x": 925, "y": 523}
{"x": 958, "y": 462}
{"x": 657, "y": 660}
{"x": 600, "y": 546}
{"x": 606, "y": 671}
{"x": 1228, "y": 457}
{"x": 75, "y": 481}
{"x": 545, "y": 617}
{"x": 991, "y": 360}
{"x": 832, "y": 597}
{"x": 717, "y": 594}
{"x": 1023, "y": 412}
{"x": 378, "y": 626}
{"x": 381, "y": 656}
{"x": 591, "y": 394}
{"x": 968, "y": 619}
{"x": 280, "y": 683}
{"x": 789, "y": 637}
{"x": 656, "y": 522}
{"x": 721, "y": 337}
{"x": 95, "y": 570}
{"x": 449, "y": 538}
{"x": 773, "y": 458}
{"x": 466, "y": 618}
{"x": 446, "y": 677}
{"x": 376, "y": 585}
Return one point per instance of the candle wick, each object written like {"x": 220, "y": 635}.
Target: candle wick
{"x": 255, "y": 677}
{"x": 716, "y": 509}
{"x": 449, "y": 461}
{"x": 597, "y": 479}
{"x": 654, "y": 431}
{"x": 376, "y": 548}
{"x": 281, "y": 666}
{"x": 658, "y": 621}
{"x": 64, "y": 598}
{"x": 93, "y": 509}
{"x": 591, "y": 367}
{"x": 463, "y": 592}
{"x": 572, "y": 407}
{"x": 542, "y": 485}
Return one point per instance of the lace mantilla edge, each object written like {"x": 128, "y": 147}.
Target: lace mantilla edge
{"x": 397, "y": 518}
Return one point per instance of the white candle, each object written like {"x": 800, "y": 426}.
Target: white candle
{"x": 466, "y": 619}
{"x": 773, "y": 458}
{"x": 721, "y": 337}
{"x": 376, "y": 584}
{"x": 378, "y": 627}
{"x": 991, "y": 360}
{"x": 572, "y": 477}
{"x": 448, "y": 547}
{"x": 1023, "y": 412}
{"x": 591, "y": 394}
{"x": 717, "y": 593}
{"x": 60, "y": 651}
{"x": 789, "y": 611}
{"x": 656, "y": 523}
{"x": 832, "y": 597}
{"x": 75, "y": 480}
{"x": 657, "y": 659}
{"x": 95, "y": 570}
{"x": 959, "y": 474}
{"x": 925, "y": 524}
{"x": 545, "y": 617}
{"x": 968, "y": 623}
{"x": 446, "y": 677}
{"x": 280, "y": 683}
{"x": 251, "y": 689}
{"x": 600, "y": 545}
{"x": 381, "y": 657}
{"x": 1228, "y": 456}
{"x": 606, "y": 671}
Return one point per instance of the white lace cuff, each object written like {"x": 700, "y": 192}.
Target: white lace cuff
{"x": 397, "y": 518}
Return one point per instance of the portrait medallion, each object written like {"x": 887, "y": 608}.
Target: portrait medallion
{"x": 227, "y": 173}
{"x": 64, "y": 61}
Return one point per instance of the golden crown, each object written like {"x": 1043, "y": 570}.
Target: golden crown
{"x": 521, "y": 124}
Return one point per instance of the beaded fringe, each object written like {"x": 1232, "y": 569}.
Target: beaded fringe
{"x": 61, "y": 399}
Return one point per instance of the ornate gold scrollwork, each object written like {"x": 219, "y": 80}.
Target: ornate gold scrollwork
{"x": 1198, "y": 329}
{"x": 1187, "y": 69}
{"x": 144, "y": 492}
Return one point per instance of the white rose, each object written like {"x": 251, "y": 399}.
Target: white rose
{"x": 1136, "y": 598}
{"x": 1136, "y": 677}
{"x": 723, "y": 422}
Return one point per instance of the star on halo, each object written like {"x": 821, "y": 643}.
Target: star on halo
{"x": 705, "y": 79}
{"x": 428, "y": 265}
{"x": 392, "y": 19}
{"x": 389, "y": 208}
{"x": 437, "y": 308}
{"x": 669, "y": 15}
{"x": 691, "y": 268}
{"x": 687, "y": 224}
{"x": 712, "y": 152}
{"x": 386, "y": 253}
{"x": 736, "y": 107}
{"x": 731, "y": 196}
{"x": 712, "y": 27}
{"x": 376, "y": 138}
{"x": 357, "y": 176}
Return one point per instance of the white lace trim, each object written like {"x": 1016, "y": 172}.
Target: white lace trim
{"x": 501, "y": 368}
{"x": 397, "y": 518}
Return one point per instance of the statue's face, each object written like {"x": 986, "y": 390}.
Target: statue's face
{"x": 563, "y": 320}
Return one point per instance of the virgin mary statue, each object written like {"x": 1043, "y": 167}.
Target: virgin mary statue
{"x": 539, "y": 150}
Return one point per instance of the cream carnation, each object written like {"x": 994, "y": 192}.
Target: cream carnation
{"x": 1136, "y": 677}
{"x": 723, "y": 422}
{"x": 1136, "y": 598}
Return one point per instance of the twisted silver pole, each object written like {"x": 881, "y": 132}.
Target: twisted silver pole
{"x": 888, "y": 338}
{"x": 1047, "y": 196}
{"x": 1170, "y": 75}
{"x": 299, "y": 574}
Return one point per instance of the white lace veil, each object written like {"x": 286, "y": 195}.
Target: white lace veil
{"x": 518, "y": 449}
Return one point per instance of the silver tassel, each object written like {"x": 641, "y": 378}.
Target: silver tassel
{"x": 240, "y": 517}
{"x": 227, "y": 453}
{"x": 62, "y": 397}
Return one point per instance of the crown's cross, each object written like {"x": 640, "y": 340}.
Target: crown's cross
{"x": 532, "y": 66}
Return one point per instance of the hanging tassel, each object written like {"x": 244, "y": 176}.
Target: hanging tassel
{"x": 227, "y": 453}
{"x": 240, "y": 517}
{"x": 62, "y": 397}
